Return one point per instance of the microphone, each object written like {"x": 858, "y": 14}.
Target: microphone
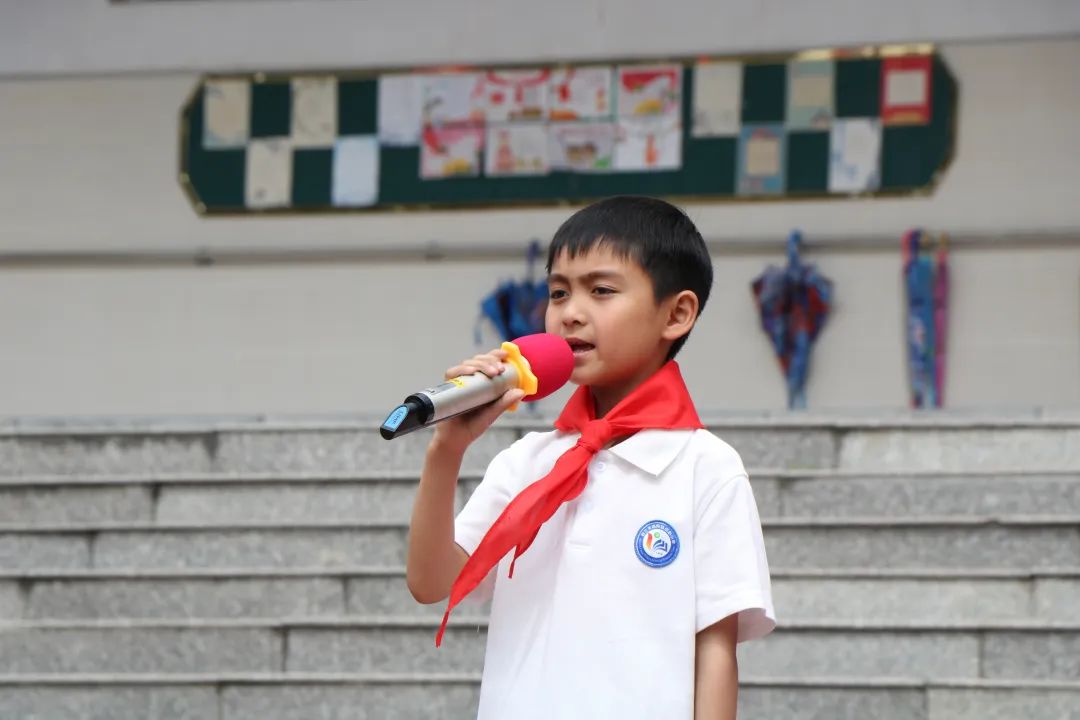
{"x": 539, "y": 364}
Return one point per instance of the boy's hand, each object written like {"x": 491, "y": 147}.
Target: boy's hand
{"x": 460, "y": 432}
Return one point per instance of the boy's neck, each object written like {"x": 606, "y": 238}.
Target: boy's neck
{"x": 607, "y": 397}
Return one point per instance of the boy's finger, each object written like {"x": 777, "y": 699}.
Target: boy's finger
{"x": 498, "y": 407}
{"x": 458, "y": 370}
{"x": 497, "y": 357}
{"x": 489, "y": 366}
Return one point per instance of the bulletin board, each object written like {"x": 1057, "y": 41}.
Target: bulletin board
{"x": 818, "y": 124}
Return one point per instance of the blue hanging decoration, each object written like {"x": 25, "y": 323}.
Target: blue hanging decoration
{"x": 926, "y": 285}
{"x": 516, "y": 308}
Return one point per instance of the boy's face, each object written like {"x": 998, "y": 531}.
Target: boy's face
{"x": 605, "y": 307}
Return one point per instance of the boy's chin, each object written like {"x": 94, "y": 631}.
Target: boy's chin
{"x": 582, "y": 376}
{"x": 587, "y": 374}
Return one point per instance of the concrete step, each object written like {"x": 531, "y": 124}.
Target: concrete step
{"x": 921, "y": 494}
{"x": 1001, "y": 651}
{"x": 230, "y": 499}
{"x": 921, "y": 569}
{"x": 356, "y": 696}
{"x": 852, "y": 598}
{"x": 1017, "y": 542}
{"x": 263, "y": 696}
{"x": 211, "y": 499}
{"x": 899, "y": 700}
{"x": 289, "y": 448}
{"x": 931, "y": 442}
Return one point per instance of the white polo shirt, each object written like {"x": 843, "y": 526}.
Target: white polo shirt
{"x": 599, "y": 620}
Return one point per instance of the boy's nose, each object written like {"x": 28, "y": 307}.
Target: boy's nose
{"x": 571, "y": 315}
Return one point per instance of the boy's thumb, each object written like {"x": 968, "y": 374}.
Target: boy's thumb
{"x": 509, "y": 398}
{"x": 497, "y": 408}
{"x": 512, "y": 396}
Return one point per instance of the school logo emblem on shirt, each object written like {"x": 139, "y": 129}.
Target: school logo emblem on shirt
{"x": 657, "y": 544}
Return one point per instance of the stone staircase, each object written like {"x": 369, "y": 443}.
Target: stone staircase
{"x": 923, "y": 569}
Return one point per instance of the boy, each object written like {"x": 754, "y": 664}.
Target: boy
{"x": 645, "y": 563}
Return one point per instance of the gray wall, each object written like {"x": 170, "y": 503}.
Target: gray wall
{"x": 88, "y": 164}
{"x": 90, "y": 36}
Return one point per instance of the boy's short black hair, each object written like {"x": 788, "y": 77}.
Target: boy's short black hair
{"x": 655, "y": 234}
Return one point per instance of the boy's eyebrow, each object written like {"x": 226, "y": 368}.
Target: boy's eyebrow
{"x": 587, "y": 277}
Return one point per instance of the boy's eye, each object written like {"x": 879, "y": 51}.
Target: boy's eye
{"x": 556, "y": 294}
{"x": 603, "y": 290}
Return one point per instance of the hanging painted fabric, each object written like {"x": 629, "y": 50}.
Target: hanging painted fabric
{"x": 794, "y": 302}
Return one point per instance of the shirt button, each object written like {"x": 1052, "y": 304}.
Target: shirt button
{"x": 599, "y": 467}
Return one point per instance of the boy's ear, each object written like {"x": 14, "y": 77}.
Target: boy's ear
{"x": 682, "y": 313}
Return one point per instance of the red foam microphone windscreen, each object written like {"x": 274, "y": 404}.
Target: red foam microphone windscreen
{"x": 550, "y": 359}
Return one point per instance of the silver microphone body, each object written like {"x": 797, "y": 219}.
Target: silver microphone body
{"x": 446, "y": 400}
{"x": 468, "y": 392}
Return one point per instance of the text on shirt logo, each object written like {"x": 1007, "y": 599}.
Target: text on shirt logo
{"x": 657, "y": 544}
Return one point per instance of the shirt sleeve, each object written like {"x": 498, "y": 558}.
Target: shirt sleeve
{"x": 730, "y": 566}
{"x": 486, "y": 503}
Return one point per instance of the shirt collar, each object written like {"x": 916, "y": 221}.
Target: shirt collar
{"x": 652, "y": 450}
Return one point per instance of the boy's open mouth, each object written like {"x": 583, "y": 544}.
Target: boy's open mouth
{"x": 579, "y": 347}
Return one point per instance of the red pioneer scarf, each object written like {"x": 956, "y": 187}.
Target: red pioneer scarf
{"x": 661, "y": 402}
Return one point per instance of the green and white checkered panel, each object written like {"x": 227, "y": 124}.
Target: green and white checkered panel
{"x": 303, "y": 142}
{"x": 812, "y": 126}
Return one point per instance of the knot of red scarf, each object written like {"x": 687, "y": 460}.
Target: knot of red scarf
{"x": 595, "y": 435}
{"x": 661, "y": 402}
